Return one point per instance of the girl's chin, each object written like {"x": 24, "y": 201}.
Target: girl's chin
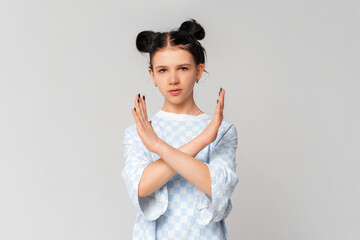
{"x": 175, "y": 101}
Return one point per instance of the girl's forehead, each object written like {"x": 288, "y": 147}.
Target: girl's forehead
{"x": 172, "y": 55}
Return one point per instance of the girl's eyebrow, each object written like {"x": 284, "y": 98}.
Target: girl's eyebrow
{"x": 184, "y": 64}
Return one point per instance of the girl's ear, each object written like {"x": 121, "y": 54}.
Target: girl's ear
{"x": 199, "y": 70}
{"x": 152, "y": 75}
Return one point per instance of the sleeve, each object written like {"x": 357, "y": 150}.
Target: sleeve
{"x": 222, "y": 167}
{"x": 137, "y": 157}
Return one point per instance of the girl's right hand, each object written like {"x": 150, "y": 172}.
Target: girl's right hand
{"x": 210, "y": 132}
{"x": 144, "y": 128}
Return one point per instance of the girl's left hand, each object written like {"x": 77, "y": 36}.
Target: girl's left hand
{"x": 144, "y": 128}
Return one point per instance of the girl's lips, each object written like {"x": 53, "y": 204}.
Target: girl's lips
{"x": 175, "y": 92}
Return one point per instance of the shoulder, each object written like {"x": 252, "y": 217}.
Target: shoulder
{"x": 228, "y": 129}
{"x": 227, "y": 135}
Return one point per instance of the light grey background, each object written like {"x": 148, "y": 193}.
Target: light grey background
{"x": 69, "y": 74}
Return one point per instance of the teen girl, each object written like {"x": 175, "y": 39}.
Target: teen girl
{"x": 179, "y": 166}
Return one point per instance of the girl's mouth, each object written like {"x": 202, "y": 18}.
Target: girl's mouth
{"x": 175, "y": 92}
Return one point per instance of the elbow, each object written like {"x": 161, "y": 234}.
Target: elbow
{"x": 142, "y": 195}
{"x": 142, "y": 192}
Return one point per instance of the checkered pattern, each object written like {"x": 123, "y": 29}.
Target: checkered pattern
{"x": 179, "y": 210}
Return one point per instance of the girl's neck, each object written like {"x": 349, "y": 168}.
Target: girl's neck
{"x": 190, "y": 108}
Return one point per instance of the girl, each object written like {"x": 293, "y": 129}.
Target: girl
{"x": 180, "y": 166}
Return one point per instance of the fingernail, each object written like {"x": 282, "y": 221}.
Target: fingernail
{"x": 217, "y": 101}
{"x": 138, "y": 99}
{"x": 144, "y": 97}
{"x": 220, "y": 89}
{"x": 138, "y": 95}
{"x": 135, "y": 109}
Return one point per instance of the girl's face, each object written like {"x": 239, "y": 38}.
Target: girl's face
{"x": 175, "y": 68}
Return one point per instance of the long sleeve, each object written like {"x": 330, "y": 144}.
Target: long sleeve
{"x": 222, "y": 167}
{"x": 137, "y": 157}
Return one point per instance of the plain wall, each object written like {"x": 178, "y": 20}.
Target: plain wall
{"x": 69, "y": 73}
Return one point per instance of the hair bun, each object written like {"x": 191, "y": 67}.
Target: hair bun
{"x": 193, "y": 28}
{"x": 144, "y": 41}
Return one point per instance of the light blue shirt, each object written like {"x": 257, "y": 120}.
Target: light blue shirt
{"x": 179, "y": 210}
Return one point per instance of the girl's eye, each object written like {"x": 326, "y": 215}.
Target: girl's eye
{"x": 161, "y": 70}
{"x": 184, "y": 68}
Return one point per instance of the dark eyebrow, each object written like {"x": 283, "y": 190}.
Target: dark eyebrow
{"x": 184, "y": 64}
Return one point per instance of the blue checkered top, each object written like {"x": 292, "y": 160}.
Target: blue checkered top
{"x": 179, "y": 210}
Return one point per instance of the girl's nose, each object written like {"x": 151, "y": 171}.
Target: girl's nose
{"x": 174, "y": 78}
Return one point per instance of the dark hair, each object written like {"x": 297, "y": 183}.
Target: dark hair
{"x": 187, "y": 36}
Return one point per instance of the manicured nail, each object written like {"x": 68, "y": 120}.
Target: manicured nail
{"x": 135, "y": 109}
{"x": 217, "y": 101}
{"x": 138, "y": 99}
{"x": 138, "y": 95}
{"x": 144, "y": 97}
{"x": 220, "y": 89}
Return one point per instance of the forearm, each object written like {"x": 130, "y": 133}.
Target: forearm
{"x": 192, "y": 169}
{"x": 159, "y": 172}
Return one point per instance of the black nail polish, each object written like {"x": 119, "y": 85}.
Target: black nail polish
{"x": 135, "y": 109}
{"x": 144, "y": 97}
{"x": 138, "y": 95}
{"x": 217, "y": 101}
{"x": 138, "y": 99}
{"x": 220, "y": 89}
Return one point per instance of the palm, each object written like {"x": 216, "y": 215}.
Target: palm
{"x": 212, "y": 128}
{"x": 144, "y": 127}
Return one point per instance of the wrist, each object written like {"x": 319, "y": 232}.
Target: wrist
{"x": 203, "y": 139}
{"x": 159, "y": 146}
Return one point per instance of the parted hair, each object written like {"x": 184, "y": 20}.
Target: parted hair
{"x": 187, "y": 37}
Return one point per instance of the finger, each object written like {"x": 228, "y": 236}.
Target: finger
{"x": 136, "y": 118}
{"x": 138, "y": 110}
{"x": 145, "y": 111}
{"x": 218, "y": 106}
{"x": 221, "y": 96}
{"x": 142, "y": 107}
{"x": 222, "y": 100}
{"x": 141, "y": 110}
